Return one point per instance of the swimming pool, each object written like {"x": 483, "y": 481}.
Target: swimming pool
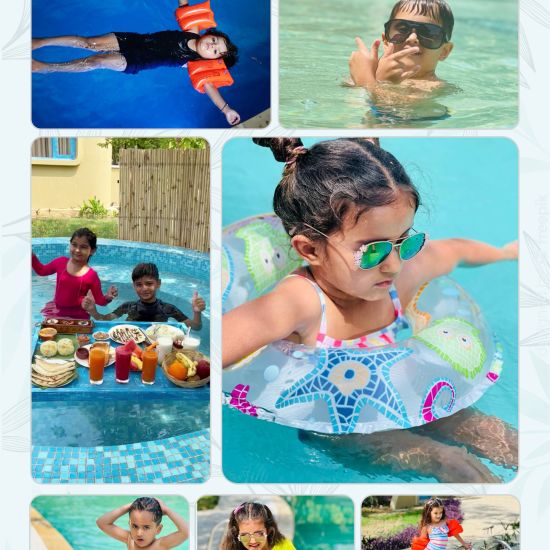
{"x": 71, "y": 442}
{"x": 457, "y": 179}
{"x": 75, "y": 517}
{"x": 158, "y": 98}
{"x": 182, "y": 272}
{"x": 316, "y": 41}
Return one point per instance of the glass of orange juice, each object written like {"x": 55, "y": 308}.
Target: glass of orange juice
{"x": 96, "y": 361}
{"x": 149, "y": 358}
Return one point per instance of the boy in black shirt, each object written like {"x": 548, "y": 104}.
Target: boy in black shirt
{"x": 149, "y": 308}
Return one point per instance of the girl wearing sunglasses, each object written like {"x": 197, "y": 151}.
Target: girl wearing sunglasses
{"x": 348, "y": 207}
{"x": 417, "y": 36}
{"x": 253, "y": 527}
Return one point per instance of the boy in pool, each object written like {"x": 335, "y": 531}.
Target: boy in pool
{"x": 416, "y": 38}
{"x": 131, "y": 52}
{"x": 146, "y": 281}
{"x": 145, "y": 516}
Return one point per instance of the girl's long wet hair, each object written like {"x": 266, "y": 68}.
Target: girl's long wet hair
{"x": 250, "y": 511}
{"x": 426, "y": 518}
{"x": 147, "y": 504}
{"x": 322, "y": 184}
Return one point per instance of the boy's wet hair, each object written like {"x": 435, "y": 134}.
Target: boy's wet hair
{"x": 438, "y": 10}
{"x": 232, "y": 55}
{"x": 426, "y": 518}
{"x": 254, "y": 511}
{"x": 145, "y": 270}
{"x": 322, "y": 184}
{"x": 147, "y": 504}
{"x": 88, "y": 234}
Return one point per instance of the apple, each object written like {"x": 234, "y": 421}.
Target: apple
{"x": 203, "y": 368}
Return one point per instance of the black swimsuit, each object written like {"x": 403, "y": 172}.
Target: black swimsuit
{"x": 157, "y": 311}
{"x": 158, "y": 49}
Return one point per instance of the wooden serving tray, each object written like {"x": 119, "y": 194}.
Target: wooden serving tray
{"x": 69, "y": 326}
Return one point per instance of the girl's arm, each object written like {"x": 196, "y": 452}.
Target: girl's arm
{"x": 442, "y": 256}
{"x": 463, "y": 542}
{"x": 271, "y": 317}
{"x": 45, "y": 269}
{"x": 97, "y": 292}
{"x": 181, "y": 535}
{"x": 231, "y": 115}
{"x": 106, "y": 523}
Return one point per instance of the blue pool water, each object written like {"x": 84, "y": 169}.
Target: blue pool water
{"x": 316, "y": 41}
{"x": 158, "y": 98}
{"x": 75, "y": 517}
{"x": 469, "y": 189}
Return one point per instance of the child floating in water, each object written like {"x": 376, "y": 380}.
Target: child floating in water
{"x": 435, "y": 530}
{"x": 253, "y": 527}
{"x": 132, "y": 52}
{"x": 146, "y": 281}
{"x": 75, "y": 278}
{"x": 145, "y": 516}
{"x": 416, "y": 38}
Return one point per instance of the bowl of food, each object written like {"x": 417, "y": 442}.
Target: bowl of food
{"x": 187, "y": 369}
{"x": 46, "y": 334}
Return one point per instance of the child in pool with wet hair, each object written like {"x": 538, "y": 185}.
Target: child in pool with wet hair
{"x": 253, "y": 527}
{"x": 416, "y": 38}
{"x": 144, "y": 519}
{"x": 146, "y": 282}
{"x": 131, "y": 53}
{"x": 76, "y": 280}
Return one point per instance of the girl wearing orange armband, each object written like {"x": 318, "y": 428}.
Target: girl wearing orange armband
{"x": 435, "y": 529}
{"x": 131, "y": 52}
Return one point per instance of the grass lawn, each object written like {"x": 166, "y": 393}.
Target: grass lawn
{"x": 377, "y": 523}
{"x": 104, "y": 228}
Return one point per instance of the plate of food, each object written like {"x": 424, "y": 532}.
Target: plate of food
{"x": 123, "y": 333}
{"x": 82, "y": 354}
{"x": 154, "y": 332}
{"x": 100, "y": 335}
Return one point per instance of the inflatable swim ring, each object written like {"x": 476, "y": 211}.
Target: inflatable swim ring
{"x": 446, "y": 364}
{"x": 211, "y": 71}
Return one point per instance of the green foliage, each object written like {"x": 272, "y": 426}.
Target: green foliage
{"x": 151, "y": 143}
{"x": 106, "y": 228}
{"x": 207, "y": 503}
{"x": 92, "y": 209}
{"x": 506, "y": 540}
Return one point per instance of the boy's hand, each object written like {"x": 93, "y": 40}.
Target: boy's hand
{"x": 510, "y": 251}
{"x": 198, "y": 303}
{"x": 112, "y": 293}
{"x": 232, "y": 117}
{"x": 363, "y": 63}
{"x": 391, "y": 67}
{"x": 163, "y": 507}
{"x": 88, "y": 304}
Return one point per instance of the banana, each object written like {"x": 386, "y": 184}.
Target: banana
{"x": 187, "y": 362}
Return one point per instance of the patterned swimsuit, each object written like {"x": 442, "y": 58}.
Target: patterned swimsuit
{"x": 387, "y": 335}
{"x": 438, "y": 538}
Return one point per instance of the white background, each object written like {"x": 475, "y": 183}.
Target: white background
{"x": 532, "y": 135}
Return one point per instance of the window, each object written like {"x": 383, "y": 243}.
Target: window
{"x": 54, "y": 148}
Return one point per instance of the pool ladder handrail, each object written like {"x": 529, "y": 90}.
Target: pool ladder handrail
{"x": 213, "y": 534}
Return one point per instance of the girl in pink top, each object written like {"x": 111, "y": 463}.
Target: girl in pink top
{"x": 75, "y": 278}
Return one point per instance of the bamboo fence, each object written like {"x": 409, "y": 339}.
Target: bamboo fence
{"x": 165, "y": 197}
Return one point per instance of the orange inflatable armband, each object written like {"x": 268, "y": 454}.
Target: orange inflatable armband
{"x": 208, "y": 71}
{"x": 199, "y": 15}
{"x": 419, "y": 543}
{"x": 454, "y": 527}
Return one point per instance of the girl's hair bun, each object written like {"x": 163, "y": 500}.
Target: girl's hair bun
{"x": 283, "y": 149}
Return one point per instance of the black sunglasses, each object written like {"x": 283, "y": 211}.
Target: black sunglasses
{"x": 430, "y": 35}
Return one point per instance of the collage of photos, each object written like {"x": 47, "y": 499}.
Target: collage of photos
{"x": 363, "y": 285}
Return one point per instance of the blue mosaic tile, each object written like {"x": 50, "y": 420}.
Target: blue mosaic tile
{"x": 184, "y": 458}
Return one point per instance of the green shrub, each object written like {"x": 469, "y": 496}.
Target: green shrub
{"x": 93, "y": 209}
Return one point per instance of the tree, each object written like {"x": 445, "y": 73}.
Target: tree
{"x": 151, "y": 143}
